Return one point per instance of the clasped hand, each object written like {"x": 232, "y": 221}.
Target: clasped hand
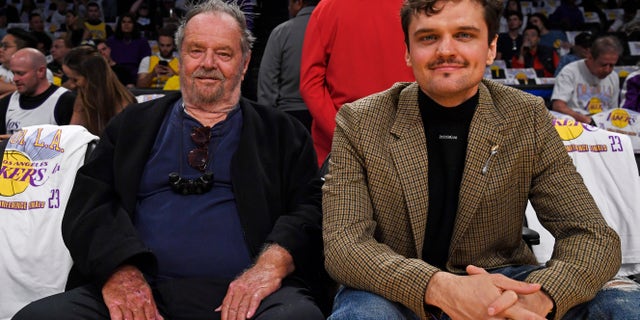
{"x": 481, "y": 295}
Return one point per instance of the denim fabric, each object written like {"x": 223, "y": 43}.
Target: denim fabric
{"x": 352, "y": 304}
{"x": 619, "y": 299}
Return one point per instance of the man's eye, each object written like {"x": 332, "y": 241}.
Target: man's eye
{"x": 430, "y": 37}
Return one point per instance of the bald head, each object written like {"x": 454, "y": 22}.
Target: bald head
{"x": 30, "y": 56}
{"x": 29, "y": 67}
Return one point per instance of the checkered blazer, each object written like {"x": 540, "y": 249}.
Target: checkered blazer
{"x": 375, "y": 199}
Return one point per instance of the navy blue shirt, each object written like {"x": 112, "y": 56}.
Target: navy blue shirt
{"x": 192, "y": 235}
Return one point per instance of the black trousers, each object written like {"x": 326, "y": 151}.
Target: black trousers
{"x": 188, "y": 299}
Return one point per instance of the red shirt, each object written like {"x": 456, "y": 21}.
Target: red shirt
{"x": 350, "y": 51}
{"x": 537, "y": 65}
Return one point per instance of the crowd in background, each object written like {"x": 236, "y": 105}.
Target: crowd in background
{"x": 136, "y": 39}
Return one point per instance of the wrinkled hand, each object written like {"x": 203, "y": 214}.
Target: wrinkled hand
{"x": 537, "y": 302}
{"x": 470, "y": 297}
{"x": 128, "y": 296}
{"x": 249, "y": 289}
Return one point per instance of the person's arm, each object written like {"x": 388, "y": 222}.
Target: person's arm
{"x": 615, "y": 96}
{"x": 96, "y": 227}
{"x": 78, "y": 117}
{"x": 518, "y": 61}
{"x": 144, "y": 75}
{"x": 127, "y": 293}
{"x": 563, "y": 92}
{"x": 6, "y": 88}
{"x": 134, "y": 6}
{"x": 270, "y": 70}
{"x": 587, "y": 251}
{"x": 64, "y": 108}
{"x": 294, "y": 241}
{"x": 313, "y": 70}
{"x": 265, "y": 277}
{"x": 563, "y": 107}
{"x": 353, "y": 256}
{"x": 496, "y": 296}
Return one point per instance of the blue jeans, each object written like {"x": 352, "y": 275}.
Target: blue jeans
{"x": 621, "y": 301}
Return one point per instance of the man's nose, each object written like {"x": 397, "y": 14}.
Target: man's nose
{"x": 445, "y": 46}
{"x": 209, "y": 59}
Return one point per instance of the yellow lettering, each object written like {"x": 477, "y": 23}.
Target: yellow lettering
{"x": 55, "y": 143}
{"x": 37, "y": 142}
{"x": 18, "y": 137}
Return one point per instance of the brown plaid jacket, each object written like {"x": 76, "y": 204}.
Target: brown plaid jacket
{"x": 375, "y": 199}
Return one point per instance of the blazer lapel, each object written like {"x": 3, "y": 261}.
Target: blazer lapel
{"x": 409, "y": 153}
{"x": 485, "y": 134}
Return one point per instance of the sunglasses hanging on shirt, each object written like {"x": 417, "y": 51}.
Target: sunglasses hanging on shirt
{"x": 198, "y": 158}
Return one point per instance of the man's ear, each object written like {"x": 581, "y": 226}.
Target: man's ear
{"x": 491, "y": 54}
{"x": 407, "y": 57}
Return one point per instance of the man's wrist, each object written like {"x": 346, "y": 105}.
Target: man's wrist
{"x": 276, "y": 258}
{"x": 436, "y": 288}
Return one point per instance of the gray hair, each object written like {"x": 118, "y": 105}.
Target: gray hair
{"x": 606, "y": 44}
{"x": 218, "y": 6}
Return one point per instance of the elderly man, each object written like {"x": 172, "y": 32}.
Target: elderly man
{"x": 428, "y": 183}
{"x": 207, "y": 209}
{"x": 590, "y": 85}
{"x": 35, "y": 101}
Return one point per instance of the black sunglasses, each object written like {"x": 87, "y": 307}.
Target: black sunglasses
{"x": 198, "y": 158}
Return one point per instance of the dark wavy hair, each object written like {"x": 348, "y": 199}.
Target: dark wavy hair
{"x": 411, "y": 8}
{"x": 135, "y": 33}
{"x": 103, "y": 96}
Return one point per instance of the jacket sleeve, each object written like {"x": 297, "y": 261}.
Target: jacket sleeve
{"x": 298, "y": 227}
{"x": 587, "y": 251}
{"x": 96, "y": 228}
{"x": 354, "y": 257}
{"x": 270, "y": 70}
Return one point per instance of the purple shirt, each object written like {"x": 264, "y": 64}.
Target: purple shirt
{"x": 129, "y": 52}
{"x": 631, "y": 95}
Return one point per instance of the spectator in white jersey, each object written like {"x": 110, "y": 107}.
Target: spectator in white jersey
{"x": 14, "y": 40}
{"x": 35, "y": 101}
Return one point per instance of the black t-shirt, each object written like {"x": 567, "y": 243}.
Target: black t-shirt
{"x": 446, "y": 130}
{"x": 508, "y": 47}
{"x": 62, "y": 113}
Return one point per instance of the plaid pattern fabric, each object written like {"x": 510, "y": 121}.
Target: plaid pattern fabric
{"x": 375, "y": 199}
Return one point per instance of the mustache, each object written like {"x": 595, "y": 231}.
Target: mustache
{"x": 448, "y": 61}
{"x": 213, "y": 74}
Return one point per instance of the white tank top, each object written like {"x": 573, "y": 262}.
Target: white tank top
{"x": 18, "y": 118}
